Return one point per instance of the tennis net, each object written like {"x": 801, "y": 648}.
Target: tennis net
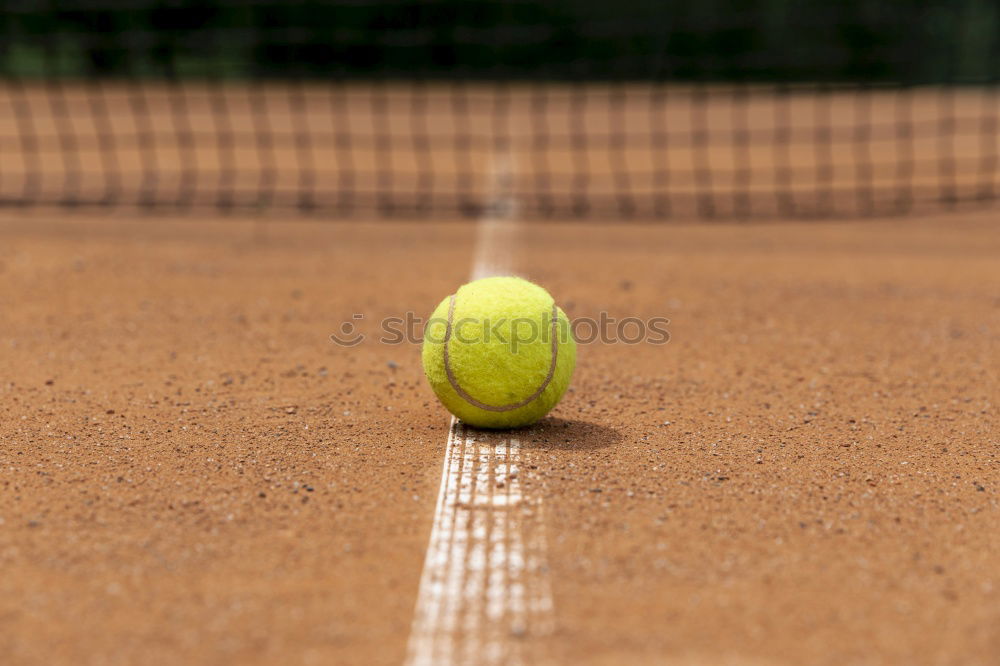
{"x": 678, "y": 110}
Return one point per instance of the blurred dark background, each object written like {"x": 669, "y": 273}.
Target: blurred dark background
{"x": 904, "y": 41}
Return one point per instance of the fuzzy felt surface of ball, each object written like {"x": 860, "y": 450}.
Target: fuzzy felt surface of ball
{"x": 499, "y": 353}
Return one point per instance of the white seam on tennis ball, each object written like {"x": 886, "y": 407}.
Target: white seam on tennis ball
{"x": 463, "y": 394}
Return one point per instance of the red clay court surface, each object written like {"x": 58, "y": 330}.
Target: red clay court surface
{"x": 191, "y": 472}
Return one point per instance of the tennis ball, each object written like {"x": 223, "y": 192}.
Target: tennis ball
{"x": 499, "y": 353}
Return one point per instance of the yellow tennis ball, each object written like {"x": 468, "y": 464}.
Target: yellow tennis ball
{"x": 499, "y": 353}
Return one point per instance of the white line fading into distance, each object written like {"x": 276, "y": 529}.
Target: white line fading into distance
{"x": 498, "y": 229}
{"x": 484, "y": 591}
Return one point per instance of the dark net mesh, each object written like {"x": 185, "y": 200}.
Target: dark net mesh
{"x": 712, "y": 109}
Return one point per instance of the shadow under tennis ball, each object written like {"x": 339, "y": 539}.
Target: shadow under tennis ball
{"x": 556, "y": 434}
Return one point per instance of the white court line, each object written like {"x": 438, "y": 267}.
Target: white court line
{"x": 484, "y": 591}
